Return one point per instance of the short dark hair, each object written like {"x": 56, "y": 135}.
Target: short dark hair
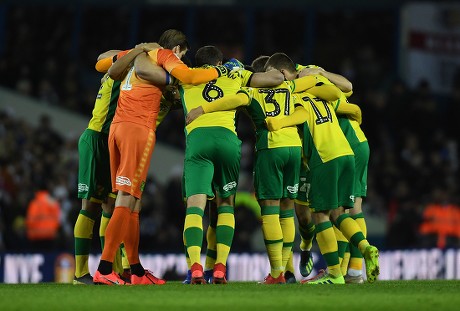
{"x": 208, "y": 55}
{"x": 280, "y": 61}
{"x": 259, "y": 63}
{"x": 173, "y": 37}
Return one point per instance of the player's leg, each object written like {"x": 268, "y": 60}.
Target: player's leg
{"x": 307, "y": 234}
{"x": 362, "y": 153}
{"x": 193, "y": 233}
{"x": 139, "y": 275}
{"x": 273, "y": 238}
{"x": 107, "y": 210}
{"x": 225, "y": 230}
{"x": 305, "y": 222}
{"x": 131, "y": 147}
{"x": 323, "y": 198}
{"x": 198, "y": 172}
{"x": 226, "y": 173}
{"x": 211, "y": 247}
{"x": 342, "y": 243}
{"x": 288, "y": 229}
{"x": 351, "y": 231}
{"x": 289, "y": 271}
{"x": 348, "y": 226}
{"x": 290, "y": 190}
{"x": 91, "y": 190}
{"x": 268, "y": 184}
{"x": 327, "y": 244}
{"x": 355, "y": 266}
{"x": 188, "y": 277}
{"x": 114, "y": 235}
{"x": 83, "y": 233}
{"x": 345, "y": 261}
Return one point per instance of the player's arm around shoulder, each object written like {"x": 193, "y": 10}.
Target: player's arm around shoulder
{"x": 266, "y": 79}
{"x": 229, "y": 102}
{"x": 352, "y": 111}
{"x": 148, "y": 70}
{"x": 299, "y": 116}
{"x": 310, "y": 80}
{"x": 123, "y": 64}
{"x": 105, "y": 60}
{"x": 340, "y": 81}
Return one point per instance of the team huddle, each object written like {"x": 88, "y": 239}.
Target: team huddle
{"x": 311, "y": 159}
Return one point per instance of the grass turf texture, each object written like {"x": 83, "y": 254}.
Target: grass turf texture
{"x": 383, "y": 295}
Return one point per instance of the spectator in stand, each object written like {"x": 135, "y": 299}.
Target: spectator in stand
{"x": 43, "y": 220}
{"x": 440, "y": 226}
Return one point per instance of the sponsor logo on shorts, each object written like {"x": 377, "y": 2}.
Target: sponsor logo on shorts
{"x": 352, "y": 198}
{"x": 83, "y": 188}
{"x": 293, "y": 189}
{"x": 122, "y": 181}
{"x": 229, "y": 186}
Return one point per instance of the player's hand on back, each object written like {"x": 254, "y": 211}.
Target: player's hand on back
{"x": 310, "y": 71}
{"x": 193, "y": 114}
{"x": 149, "y": 46}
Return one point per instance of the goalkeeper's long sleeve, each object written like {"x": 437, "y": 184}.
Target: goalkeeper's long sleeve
{"x": 194, "y": 76}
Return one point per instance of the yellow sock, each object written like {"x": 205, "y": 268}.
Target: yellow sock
{"x": 105, "y": 218}
{"x": 342, "y": 243}
{"x": 307, "y": 233}
{"x": 356, "y": 260}
{"x": 83, "y": 234}
{"x": 211, "y": 251}
{"x": 187, "y": 257}
{"x": 225, "y": 230}
{"x": 290, "y": 263}
{"x": 352, "y": 232}
{"x": 273, "y": 238}
{"x": 288, "y": 228}
{"x": 193, "y": 232}
{"x": 328, "y": 246}
{"x": 345, "y": 261}
{"x": 124, "y": 258}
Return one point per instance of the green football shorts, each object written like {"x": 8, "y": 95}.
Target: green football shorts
{"x": 276, "y": 173}
{"x": 212, "y": 161}
{"x": 94, "y": 181}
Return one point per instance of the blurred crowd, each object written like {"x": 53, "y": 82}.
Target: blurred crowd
{"x": 412, "y": 132}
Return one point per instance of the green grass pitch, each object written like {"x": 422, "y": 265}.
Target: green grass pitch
{"x": 436, "y": 295}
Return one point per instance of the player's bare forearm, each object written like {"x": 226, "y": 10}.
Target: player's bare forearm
{"x": 119, "y": 68}
{"x": 267, "y": 79}
{"x": 340, "y": 81}
{"x": 110, "y": 53}
{"x": 193, "y": 114}
{"x": 148, "y": 71}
